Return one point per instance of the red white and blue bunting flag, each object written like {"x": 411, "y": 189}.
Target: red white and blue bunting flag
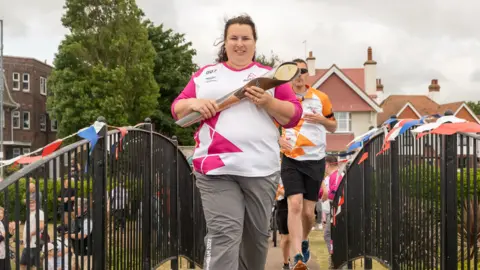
{"x": 442, "y": 120}
{"x": 359, "y": 141}
{"x": 89, "y": 133}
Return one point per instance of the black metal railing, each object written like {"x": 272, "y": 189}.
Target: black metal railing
{"x": 130, "y": 203}
{"x": 414, "y": 206}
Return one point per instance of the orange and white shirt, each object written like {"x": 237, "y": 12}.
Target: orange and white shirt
{"x": 309, "y": 140}
{"x": 280, "y": 188}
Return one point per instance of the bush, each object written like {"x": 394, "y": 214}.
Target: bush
{"x": 48, "y": 199}
{"x": 424, "y": 181}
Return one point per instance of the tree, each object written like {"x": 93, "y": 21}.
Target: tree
{"x": 475, "y": 106}
{"x": 104, "y": 66}
{"x": 173, "y": 68}
{"x": 271, "y": 62}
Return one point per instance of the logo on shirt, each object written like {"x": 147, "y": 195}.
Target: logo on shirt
{"x": 250, "y": 77}
{"x": 211, "y": 79}
{"x": 211, "y": 71}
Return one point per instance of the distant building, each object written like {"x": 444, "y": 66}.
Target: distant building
{"x": 27, "y": 126}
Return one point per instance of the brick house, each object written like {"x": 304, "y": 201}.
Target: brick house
{"x": 27, "y": 126}
{"x": 352, "y": 92}
{"x": 416, "y": 106}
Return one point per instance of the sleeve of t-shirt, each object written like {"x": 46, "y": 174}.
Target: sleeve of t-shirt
{"x": 42, "y": 217}
{"x": 285, "y": 92}
{"x": 327, "y": 108}
{"x": 188, "y": 92}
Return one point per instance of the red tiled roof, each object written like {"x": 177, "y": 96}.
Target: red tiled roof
{"x": 356, "y": 75}
{"x": 338, "y": 141}
{"x": 422, "y": 103}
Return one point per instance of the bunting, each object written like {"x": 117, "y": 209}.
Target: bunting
{"x": 90, "y": 133}
{"x": 363, "y": 158}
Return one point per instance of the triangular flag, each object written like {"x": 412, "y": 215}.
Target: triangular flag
{"x": 28, "y": 159}
{"x": 89, "y": 134}
{"x": 123, "y": 132}
{"x": 354, "y": 146}
{"x": 363, "y": 158}
{"x": 98, "y": 126}
{"x": 51, "y": 147}
{"x": 452, "y": 128}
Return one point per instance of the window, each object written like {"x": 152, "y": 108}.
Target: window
{"x": 16, "y": 152}
{"x": 26, "y": 82}
{"x": 16, "y": 119}
{"x": 43, "y": 86}
{"x": 43, "y": 122}
{"x": 53, "y": 125}
{"x": 344, "y": 123}
{"x": 16, "y": 81}
{"x": 26, "y": 120}
{"x": 26, "y": 150}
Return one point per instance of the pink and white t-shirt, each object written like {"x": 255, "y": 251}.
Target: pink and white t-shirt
{"x": 243, "y": 139}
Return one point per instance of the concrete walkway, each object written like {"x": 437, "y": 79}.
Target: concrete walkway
{"x": 275, "y": 259}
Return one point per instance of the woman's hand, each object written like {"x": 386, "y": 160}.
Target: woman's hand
{"x": 258, "y": 96}
{"x": 206, "y": 107}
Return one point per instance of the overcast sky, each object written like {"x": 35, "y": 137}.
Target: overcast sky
{"x": 413, "y": 41}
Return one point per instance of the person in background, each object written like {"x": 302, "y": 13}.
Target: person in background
{"x": 236, "y": 159}
{"x": 303, "y": 163}
{"x": 327, "y": 194}
{"x": 282, "y": 222}
{"x": 67, "y": 198}
{"x": 51, "y": 258}
{"x": 81, "y": 235}
{"x": 4, "y": 230}
{"x": 32, "y": 247}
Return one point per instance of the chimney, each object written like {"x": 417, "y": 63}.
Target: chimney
{"x": 311, "y": 64}
{"x": 434, "y": 90}
{"x": 370, "y": 73}
{"x": 379, "y": 85}
{"x": 380, "y": 96}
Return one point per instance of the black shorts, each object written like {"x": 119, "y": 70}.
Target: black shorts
{"x": 282, "y": 216}
{"x": 302, "y": 177}
{"x": 30, "y": 259}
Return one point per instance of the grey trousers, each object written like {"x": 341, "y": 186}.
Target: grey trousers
{"x": 237, "y": 212}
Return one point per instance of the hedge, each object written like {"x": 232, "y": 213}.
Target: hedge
{"x": 49, "y": 199}
{"x": 422, "y": 181}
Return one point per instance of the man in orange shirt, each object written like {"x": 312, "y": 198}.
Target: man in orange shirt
{"x": 303, "y": 162}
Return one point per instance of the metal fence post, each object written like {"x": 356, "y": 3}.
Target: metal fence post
{"x": 99, "y": 198}
{"x": 367, "y": 208}
{"x": 395, "y": 204}
{"x": 448, "y": 187}
{"x": 147, "y": 198}
{"x": 176, "y": 233}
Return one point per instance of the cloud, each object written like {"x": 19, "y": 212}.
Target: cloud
{"x": 475, "y": 76}
{"x": 413, "y": 41}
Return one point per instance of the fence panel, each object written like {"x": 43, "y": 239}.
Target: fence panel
{"x": 130, "y": 203}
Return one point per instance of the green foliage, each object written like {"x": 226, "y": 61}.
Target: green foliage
{"x": 104, "y": 66}
{"x": 268, "y": 61}
{"x": 173, "y": 68}
{"x": 475, "y": 106}
{"x": 423, "y": 181}
{"x": 50, "y": 203}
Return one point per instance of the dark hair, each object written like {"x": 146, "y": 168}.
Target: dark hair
{"x": 331, "y": 160}
{"x": 298, "y": 60}
{"x": 242, "y": 19}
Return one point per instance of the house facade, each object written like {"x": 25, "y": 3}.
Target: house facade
{"x": 352, "y": 92}
{"x": 416, "y": 106}
{"x": 27, "y": 126}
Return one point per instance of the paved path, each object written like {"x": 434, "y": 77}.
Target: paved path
{"x": 275, "y": 259}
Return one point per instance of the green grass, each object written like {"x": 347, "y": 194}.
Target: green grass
{"x": 319, "y": 250}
